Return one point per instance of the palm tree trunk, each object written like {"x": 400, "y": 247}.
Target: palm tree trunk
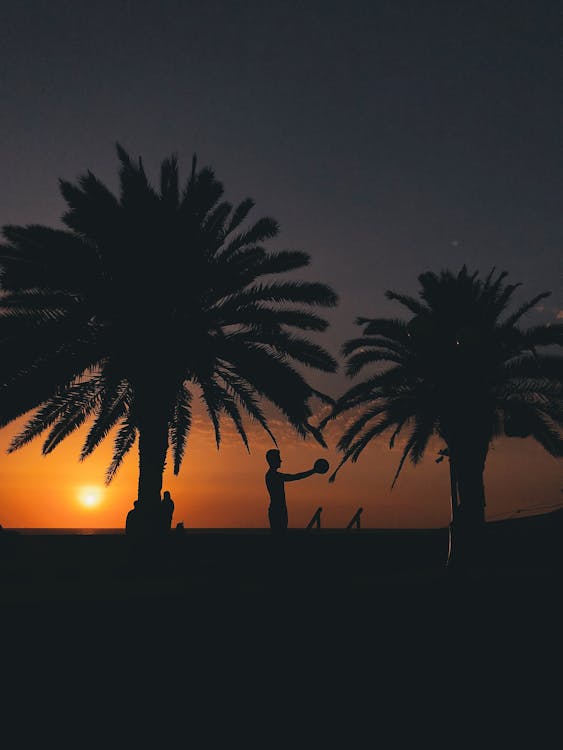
{"x": 153, "y": 447}
{"x": 454, "y": 498}
{"x": 468, "y": 518}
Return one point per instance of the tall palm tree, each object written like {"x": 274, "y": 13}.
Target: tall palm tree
{"x": 460, "y": 368}
{"x": 144, "y": 299}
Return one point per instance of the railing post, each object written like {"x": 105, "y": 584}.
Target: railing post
{"x": 315, "y": 521}
{"x": 355, "y": 522}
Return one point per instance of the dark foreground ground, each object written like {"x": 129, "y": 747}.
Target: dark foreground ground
{"x": 365, "y": 621}
{"x": 309, "y": 569}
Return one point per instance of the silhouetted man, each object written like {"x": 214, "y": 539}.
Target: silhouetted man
{"x": 275, "y": 482}
{"x": 167, "y": 510}
{"x": 133, "y": 519}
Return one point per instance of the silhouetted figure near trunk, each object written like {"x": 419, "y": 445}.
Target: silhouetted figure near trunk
{"x": 275, "y": 482}
{"x": 150, "y": 521}
{"x": 167, "y": 510}
{"x": 136, "y": 531}
{"x": 133, "y": 521}
{"x": 147, "y": 528}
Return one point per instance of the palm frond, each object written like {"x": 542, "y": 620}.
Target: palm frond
{"x": 523, "y": 309}
{"x": 388, "y": 328}
{"x": 359, "y": 360}
{"x": 543, "y": 335}
{"x": 213, "y": 406}
{"x": 180, "y": 426}
{"x": 407, "y": 449}
{"x": 124, "y": 441}
{"x": 82, "y": 396}
{"x": 48, "y": 259}
{"x": 201, "y": 194}
{"x": 263, "y": 317}
{"x": 265, "y": 228}
{"x": 229, "y": 406}
{"x": 281, "y": 262}
{"x": 367, "y": 342}
{"x": 304, "y": 292}
{"x": 132, "y": 177}
{"x": 245, "y": 395}
{"x": 358, "y": 425}
{"x": 68, "y": 421}
{"x": 239, "y": 215}
{"x": 275, "y": 380}
{"x": 214, "y": 222}
{"x": 93, "y": 210}
{"x": 113, "y": 407}
{"x": 299, "y": 349}
{"x": 169, "y": 182}
{"x": 356, "y": 448}
{"x": 410, "y": 303}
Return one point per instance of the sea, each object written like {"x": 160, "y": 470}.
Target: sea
{"x": 58, "y": 532}
{"x": 121, "y": 531}
{"x": 230, "y": 530}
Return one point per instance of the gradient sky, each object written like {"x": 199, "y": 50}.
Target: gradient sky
{"x": 387, "y": 138}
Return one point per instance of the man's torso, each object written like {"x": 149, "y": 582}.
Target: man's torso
{"x": 275, "y": 486}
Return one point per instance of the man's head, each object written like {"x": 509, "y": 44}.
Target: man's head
{"x": 273, "y": 458}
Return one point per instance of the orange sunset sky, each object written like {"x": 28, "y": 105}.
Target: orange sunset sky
{"x": 387, "y": 139}
{"x": 225, "y": 488}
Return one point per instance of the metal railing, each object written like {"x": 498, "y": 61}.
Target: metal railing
{"x": 315, "y": 522}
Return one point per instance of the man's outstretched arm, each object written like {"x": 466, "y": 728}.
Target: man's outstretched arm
{"x": 300, "y": 475}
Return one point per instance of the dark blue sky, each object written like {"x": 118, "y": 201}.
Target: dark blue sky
{"x": 387, "y": 138}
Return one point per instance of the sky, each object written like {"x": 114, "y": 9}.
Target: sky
{"x": 386, "y": 138}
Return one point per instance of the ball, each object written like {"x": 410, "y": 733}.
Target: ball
{"x": 321, "y": 466}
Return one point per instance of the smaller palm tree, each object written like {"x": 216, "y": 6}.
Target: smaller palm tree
{"x": 460, "y": 369}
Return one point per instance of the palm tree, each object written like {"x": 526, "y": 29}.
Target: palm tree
{"x": 462, "y": 369}
{"x": 143, "y": 300}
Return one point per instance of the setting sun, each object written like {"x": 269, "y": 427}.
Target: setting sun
{"x": 90, "y": 497}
